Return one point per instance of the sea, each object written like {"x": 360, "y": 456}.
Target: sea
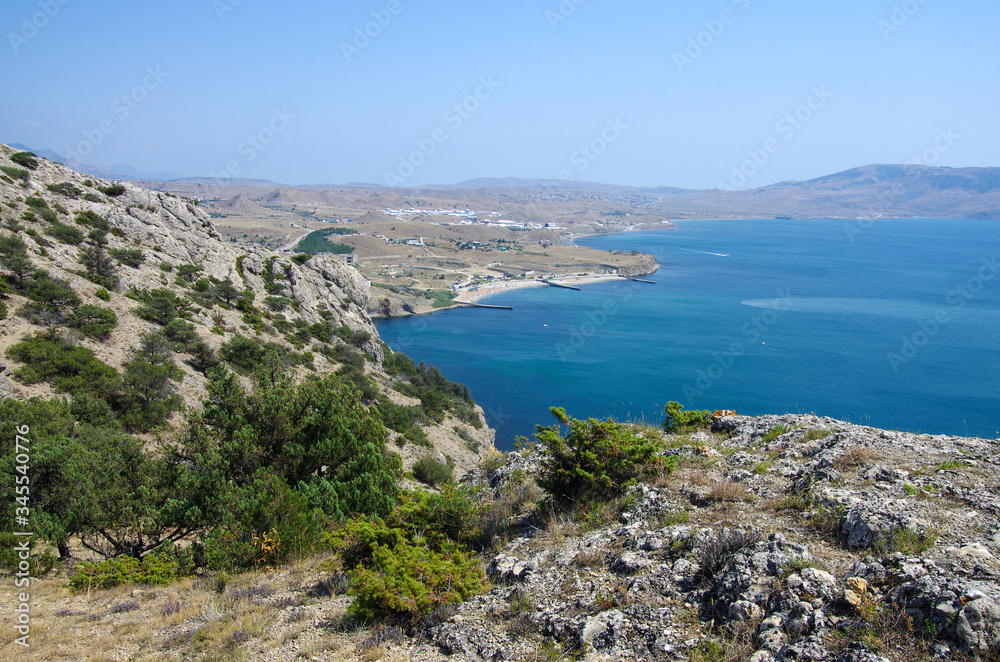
{"x": 889, "y": 323}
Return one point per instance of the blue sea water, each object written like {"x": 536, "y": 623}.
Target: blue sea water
{"x": 891, "y": 323}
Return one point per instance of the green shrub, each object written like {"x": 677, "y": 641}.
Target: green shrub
{"x": 15, "y": 173}
{"x": 277, "y": 304}
{"x": 92, "y": 220}
{"x": 596, "y": 459}
{"x": 187, "y": 274}
{"x": 254, "y": 320}
{"x": 266, "y": 525}
{"x": 48, "y": 357}
{"x": 414, "y": 561}
{"x": 100, "y": 267}
{"x": 244, "y": 354}
{"x": 65, "y": 188}
{"x": 130, "y": 257}
{"x": 25, "y": 159}
{"x": 112, "y": 191}
{"x": 160, "y": 305}
{"x": 103, "y": 294}
{"x": 40, "y": 560}
{"x": 148, "y": 395}
{"x": 67, "y": 234}
{"x": 317, "y": 437}
{"x": 93, "y": 321}
{"x": 160, "y": 567}
{"x": 36, "y": 202}
{"x": 677, "y": 420}
{"x": 52, "y": 299}
{"x": 411, "y": 580}
{"x": 431, "y": 471}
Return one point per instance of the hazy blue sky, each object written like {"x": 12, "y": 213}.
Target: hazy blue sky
{"x": 584, "y": 89}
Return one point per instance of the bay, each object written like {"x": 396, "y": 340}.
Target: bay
{"x": 889, "y": 323}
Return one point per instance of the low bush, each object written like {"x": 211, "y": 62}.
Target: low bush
{"x": 161, "y": 305}
{"x": 431, "y": 471}
{"x": 15, "y": 173}
{"x": 677, "y": 420}
{"x": 94, "y": 321}
{"x": 595, "y": 460}
{"x": 25, "y": 160}
{"x": 414, "y": 561}
{"x": 244, "y": 354}
{"x": 66, "y": 234}
{"x": 130, "y": 257}
{"x": 112, "y": 191}
{"x": 100, "y": 267}
{"x": 65, "y": 188}
{"x": 52, "y": 299}
{"x": 157, "y": 568}
{"x": 71, "y": 369}
{"x": 268, "y": 524}
{"x": 411, "y": 580}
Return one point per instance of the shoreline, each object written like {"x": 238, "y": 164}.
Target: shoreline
{"x": 481, "y": 292}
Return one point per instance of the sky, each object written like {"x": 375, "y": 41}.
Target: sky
{"x": 707, "y": 94}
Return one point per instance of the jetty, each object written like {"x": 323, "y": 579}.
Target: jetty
{"x": 555, "y": 284}
{"x": 472, "y": 304}
{"x": 640, "y": 280}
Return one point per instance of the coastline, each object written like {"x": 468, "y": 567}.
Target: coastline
{"x": 474, "y": 295}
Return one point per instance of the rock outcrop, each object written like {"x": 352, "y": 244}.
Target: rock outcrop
{"x": 173, "y": 233}
{"x": 776, "y": 538}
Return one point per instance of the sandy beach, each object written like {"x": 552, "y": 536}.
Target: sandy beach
{"x": 475, "y": 294}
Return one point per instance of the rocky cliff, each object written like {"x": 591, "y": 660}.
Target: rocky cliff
{"x": 52, "y": 209}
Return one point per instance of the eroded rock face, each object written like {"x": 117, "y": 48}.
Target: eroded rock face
{"x": 979, "y": 625}
{"x": 882, "y": 525}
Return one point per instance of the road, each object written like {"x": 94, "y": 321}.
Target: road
{"x": 295, "y": 242}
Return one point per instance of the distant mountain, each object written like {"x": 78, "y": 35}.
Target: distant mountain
{"x": 116, "y": 171}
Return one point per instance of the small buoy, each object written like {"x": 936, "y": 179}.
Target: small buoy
{"x": 545, "y": 325}
{"x": 761, "y": 342}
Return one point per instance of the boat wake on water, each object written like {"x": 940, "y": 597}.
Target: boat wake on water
{"x": 691, "y": 250}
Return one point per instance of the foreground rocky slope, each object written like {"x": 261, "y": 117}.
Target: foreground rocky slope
{"x": 773, "y": 538}
{"x": 776, "y": 538}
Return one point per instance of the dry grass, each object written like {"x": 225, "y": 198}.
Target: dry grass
{"x": 589, "y": 558}
{"x": 726, "y": 490}
{"x": 557, "y": 527}
{"x": 187, "y": 620}
{"x": 855, "y": 456}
